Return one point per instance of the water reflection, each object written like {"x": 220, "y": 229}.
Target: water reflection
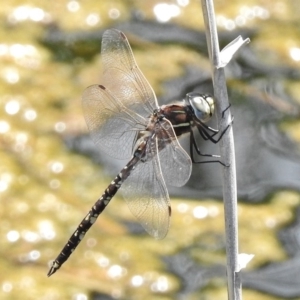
{"x": 103, "y": 261}
{"x": 246, "y": 14}
{"x": 46, "y": 230}
{"x": 13, "y": 236}
{"x": 160, "y": 285}
{"x": 30, "y": 115}
{"x": 30, "y": 236}
{"x": 137, "y": 281}
{"x": 73, "y": 6}
{"x": 114, "y": 13}
{"x": 80, "y": 297}
{"x": 92, "y": 19}
{"x": 295, "y": 53}
{"x": 164, "y": 11}
{"x": 200, "y": 212}
{"x": 11, "y": 75}
{"x": 7, "y": 286}
{"x": 4, "y": 127}
{"x": 28, "y": 13}
{"x": 5, "y": 181}
{"x": 46, "y": 188}
{"x": 56, "y": 166}
{"x": 12, "y": 107}
{"x": 116, "y": 272}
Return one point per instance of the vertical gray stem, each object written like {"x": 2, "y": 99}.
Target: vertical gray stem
{"x": 227, "y": 154}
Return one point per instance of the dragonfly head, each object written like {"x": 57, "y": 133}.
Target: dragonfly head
{"x": 202, "y": 105}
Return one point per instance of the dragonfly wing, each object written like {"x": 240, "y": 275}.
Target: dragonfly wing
{"x": 123, "y": 77}
{"x": 112, "y": 126}
{"x": 147, "y": 197}
{"x": 176, "y": 165}
{"x": 116, "y": 110}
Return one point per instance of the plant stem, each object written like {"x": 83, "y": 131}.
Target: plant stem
{"x": 227, "y": 154}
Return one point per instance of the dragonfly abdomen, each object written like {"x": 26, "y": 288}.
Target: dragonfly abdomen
{"x": 92, "y": 215}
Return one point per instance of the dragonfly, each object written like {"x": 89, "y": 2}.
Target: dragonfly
{"x": 125, "y": 120}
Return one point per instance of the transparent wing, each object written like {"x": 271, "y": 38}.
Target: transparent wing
{"x": 115, "y": 111}
{"x": 112, "y": 126}
{"x": 147, "y": 196}
{"x": 122, "y": 75}
{"x": 176, "y": 165}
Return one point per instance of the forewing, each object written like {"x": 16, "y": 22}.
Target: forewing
{"x": 116, "y": 110}
{"x": 122, "y": 75}
{"x": 147, "y": 197}
{"x": 112, "y": 126}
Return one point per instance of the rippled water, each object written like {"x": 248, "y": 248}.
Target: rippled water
{"x": 49, "y": 52}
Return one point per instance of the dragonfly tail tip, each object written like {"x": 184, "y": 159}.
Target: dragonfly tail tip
{"x": 53, "y": 269}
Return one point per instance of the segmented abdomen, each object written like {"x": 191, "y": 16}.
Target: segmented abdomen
{"x": 92, "y": 215}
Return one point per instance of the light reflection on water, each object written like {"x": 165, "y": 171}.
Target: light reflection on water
{"x": 34, "y": 255}
{"x": 54, "y": 184}
{"x": 13, "y": 236}
{"x": 80, "y": 297}
{"x": 56, "y": 166}
{"x": 28, "y": 13}
{"x": 30, "y": 115}
{"x": 5, "y": 181}
{"x": 116, "y": 271}
{"x": 92, "y": 19}
{"x": 46, "y": 231}
{"x": 246, "y": 14}
{"x": 73, "y": 6}
{"x": 103, "y": 261}
{"x": 30, "y": 236}
{"x": 11, "y": 75}
{"x": 46, "y": 182}
{"x": 22, "y": 207}
{"x": 165, "y": 12}
{"x": 4, "y": 127}
{"x": 199, "y": 212}
{"x": 114, "y": 13}
{"x": 137, "y": 280}
{"x": 295, "y": 53}
{"x": 7, "y": 286}
{"x": 160, "y": 285}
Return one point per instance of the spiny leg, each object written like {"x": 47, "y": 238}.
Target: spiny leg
{"x": 206, "y": 136}
{"x": 223, "y": 112}
{"x": 203, "y": 129}
{"x": 193, "y": 145}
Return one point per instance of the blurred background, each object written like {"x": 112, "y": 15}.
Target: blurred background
{"x": 51, "y": 173}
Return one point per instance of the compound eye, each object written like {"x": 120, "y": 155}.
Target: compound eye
{"x": 202, "y": 105}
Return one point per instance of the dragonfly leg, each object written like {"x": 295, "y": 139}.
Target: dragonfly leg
{"x": 223, "y": 112}
{"x": 206, "y": 136}
{"x": 203, "y": 130}
{"x": 193, "y": 146}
